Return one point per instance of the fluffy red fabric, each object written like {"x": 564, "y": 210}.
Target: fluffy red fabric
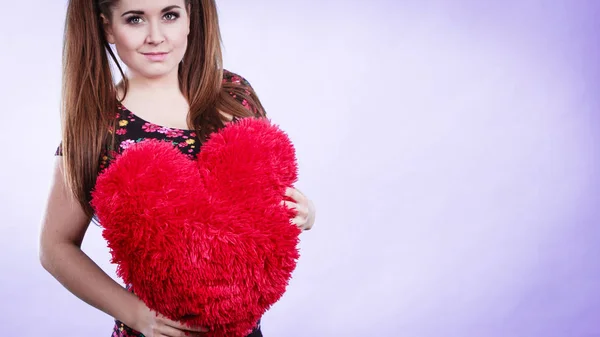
{"x": 204, "y": 242}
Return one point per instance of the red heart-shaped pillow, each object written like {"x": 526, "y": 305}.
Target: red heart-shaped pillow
{"x": 207, "y": 242}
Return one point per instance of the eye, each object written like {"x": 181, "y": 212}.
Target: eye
{"x": 134, "y": 20}
{"x": 171, "y": 16}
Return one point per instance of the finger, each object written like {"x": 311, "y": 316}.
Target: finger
{"x": 299, "y": 221}
{"x": 308, "y": 225}
{"x": 169, "y": 331}
{"x": 180, "y": 326}
{"x": 301, "y": 209}
{"x": 288, "y": 204}
{"x": 295, "y": 194}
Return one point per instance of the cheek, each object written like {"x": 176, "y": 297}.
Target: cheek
{"x": 178, "y": 36}
{"x": 129, "y": 40}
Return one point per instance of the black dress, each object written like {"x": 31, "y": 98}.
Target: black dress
{"x": 132, "y": 129}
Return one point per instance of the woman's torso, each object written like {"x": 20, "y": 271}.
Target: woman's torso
{"x": 131, "y": 129}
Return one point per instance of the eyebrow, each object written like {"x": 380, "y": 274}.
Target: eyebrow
{"x": 138, "y": 12}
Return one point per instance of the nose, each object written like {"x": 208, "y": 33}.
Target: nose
{"x": 155, "y": 34}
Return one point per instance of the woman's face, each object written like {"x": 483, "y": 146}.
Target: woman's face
{"x": 150, "y": 36}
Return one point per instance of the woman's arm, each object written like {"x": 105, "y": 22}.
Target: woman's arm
{"x": 63, "y": 228}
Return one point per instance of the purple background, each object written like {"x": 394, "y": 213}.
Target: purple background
{"x": 451, "y": 148}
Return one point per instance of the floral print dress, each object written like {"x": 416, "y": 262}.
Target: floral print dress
{"x": 132, "y": 129}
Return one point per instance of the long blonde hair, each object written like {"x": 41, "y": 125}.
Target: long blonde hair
{"x": 89, "y": 92}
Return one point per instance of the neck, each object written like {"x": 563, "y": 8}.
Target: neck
{"x": 167, "y": 83}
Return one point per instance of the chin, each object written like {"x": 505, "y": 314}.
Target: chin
{"x": 154, "y": 71}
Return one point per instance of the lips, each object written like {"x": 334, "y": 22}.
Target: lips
{"x": 156, "y": 56}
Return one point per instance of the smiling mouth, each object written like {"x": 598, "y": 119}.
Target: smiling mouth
{"x": 156, "y": 56}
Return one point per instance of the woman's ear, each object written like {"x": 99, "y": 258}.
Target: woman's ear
{"x": 110, "y": 38}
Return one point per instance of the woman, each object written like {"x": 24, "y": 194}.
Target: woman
{"x": 175, "y": 89}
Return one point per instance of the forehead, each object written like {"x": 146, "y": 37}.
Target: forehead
{"x": 149, "y": 6}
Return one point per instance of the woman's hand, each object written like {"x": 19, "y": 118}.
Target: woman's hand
{"x": 152, "y": 324}
{"x": 305, "y": 217}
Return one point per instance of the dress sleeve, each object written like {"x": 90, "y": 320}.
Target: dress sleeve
{"x": 243, "y": 92}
